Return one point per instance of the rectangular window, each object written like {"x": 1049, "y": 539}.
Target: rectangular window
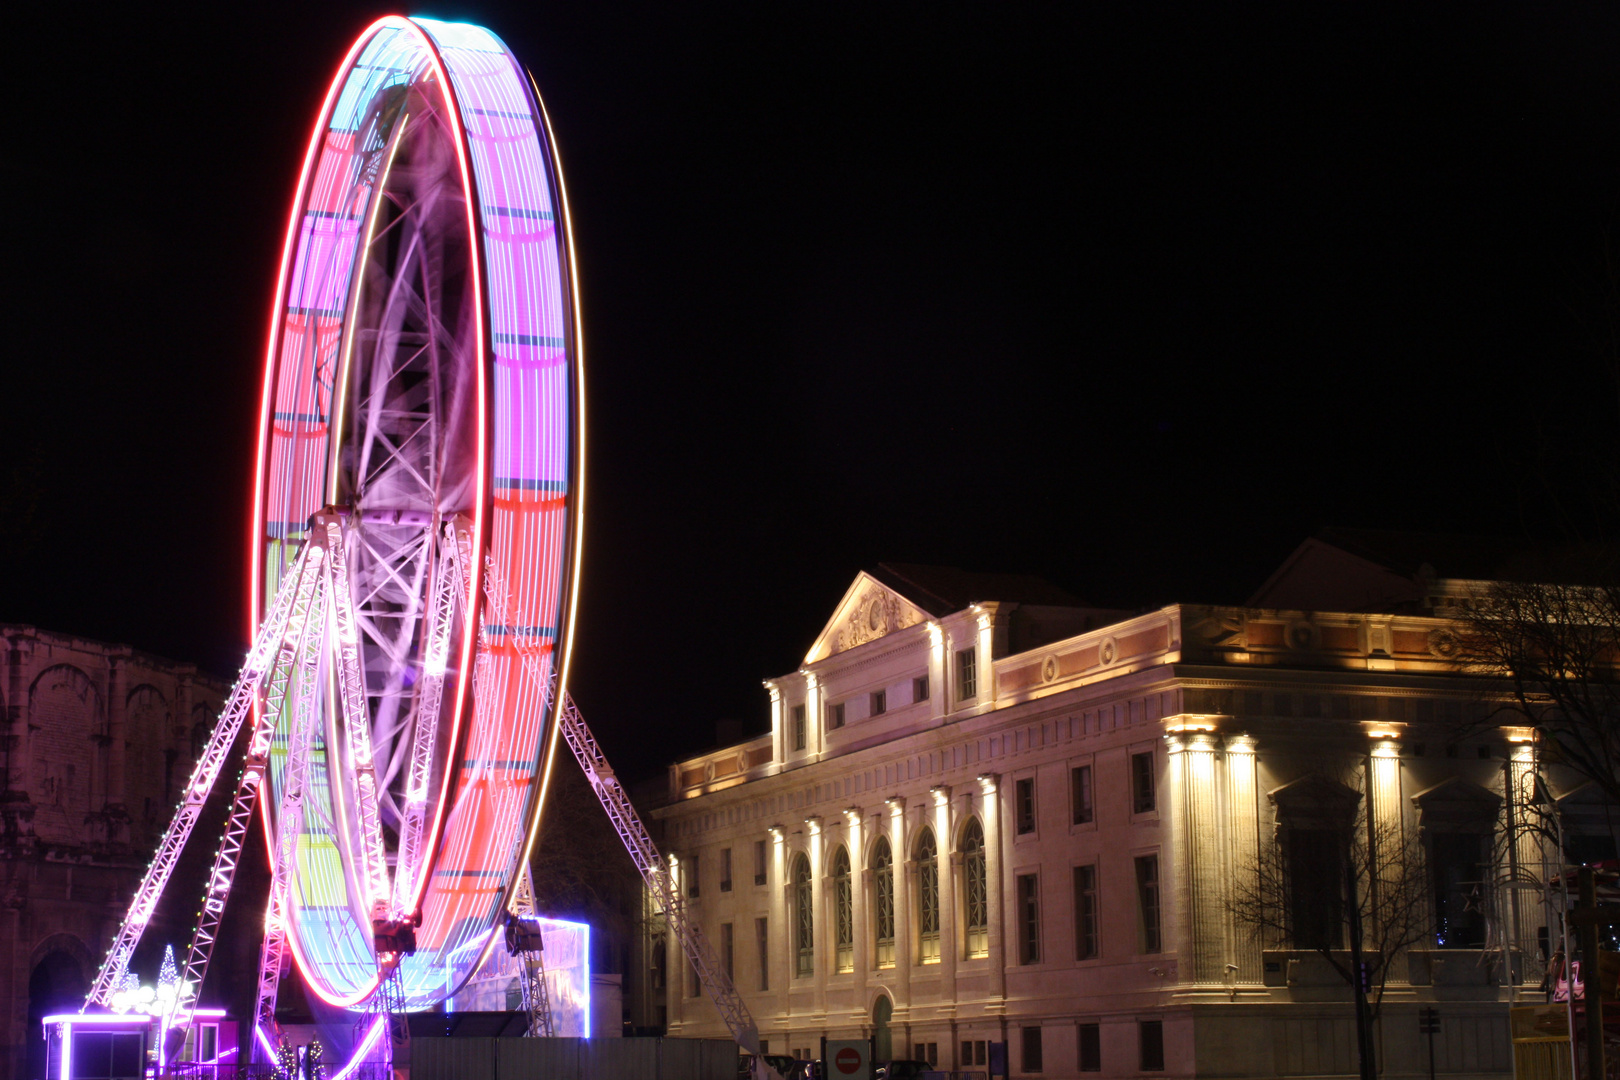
{"x": 759, "y": 862}
{"x": 689, "y": 870}
{"x": 919, "y": 688}
{"x": 725, "y": 869}
{"x": 1085, "y": 912}
{"x": 1142, "y": 794}
{"x": 694, "y": 983}
{"x": 1151, "y": 1035}
{"x": 1024, "y": 804}
{"x": 728, "y": 950}
{"x": 1147, "y": 898}
{"x": 762, "y": 945}
{"x": 1315, "y": 882}
{"x": 967, "y": 673}
{"x": 880, "y": 703}
{"x": 980, "y": 1050}
{"x": 835, "y": 716}
{"x": 1080, "y": 794}
{"x": 1091, "y": 1048}
{"x": 928, "y": 1052}
{"x": 1029, "y": 919}
{"x": 1032, "y": 1049}
{"x": 798, "y": 727}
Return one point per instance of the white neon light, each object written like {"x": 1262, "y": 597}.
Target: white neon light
{"x": 365, "y": 1048}
{"x": 264, "y": 1041}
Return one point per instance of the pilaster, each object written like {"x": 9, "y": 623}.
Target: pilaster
{"x": 990, "y": 804}
{"x": 1243, "y": 831}
{"x": 949, "y": 880}
{"x": 1200, "y": 876}
{"x": 904, "y": 918}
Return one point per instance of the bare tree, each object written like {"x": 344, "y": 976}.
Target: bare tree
{"x": 1341, "y": 886}
{"x": 1550, "y": 652}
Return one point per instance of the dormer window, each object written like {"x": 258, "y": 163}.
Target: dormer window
{"x": 880, "y": 703}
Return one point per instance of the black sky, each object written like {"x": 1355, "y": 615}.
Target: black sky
{"x": 1132, "y": 296}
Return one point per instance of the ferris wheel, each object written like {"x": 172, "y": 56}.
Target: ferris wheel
{"x": 415, "y": 551}
{"x": 423, "y": 377}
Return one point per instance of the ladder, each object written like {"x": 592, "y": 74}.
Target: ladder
{"x": 523, "y": 941}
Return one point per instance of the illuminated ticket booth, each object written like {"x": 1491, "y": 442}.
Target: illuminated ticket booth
{"x": 127, "y": 1046}
{"x": 97, "y": 1046}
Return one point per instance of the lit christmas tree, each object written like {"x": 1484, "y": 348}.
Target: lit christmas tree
{"x": 286, "y": 1061}
{"x": 315, "y": 1067}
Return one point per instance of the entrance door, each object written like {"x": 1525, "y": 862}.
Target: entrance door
{"x": 882, "y": 1044}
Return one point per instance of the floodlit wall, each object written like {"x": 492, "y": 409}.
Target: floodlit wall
{"x": 572, "y": 1059}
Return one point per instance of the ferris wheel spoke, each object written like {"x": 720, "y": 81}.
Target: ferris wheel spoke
{"x": 361, "y": 770}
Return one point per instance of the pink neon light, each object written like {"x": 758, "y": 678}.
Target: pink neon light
{"x": 267, "y": 399}
{"x": 536, "y": 537}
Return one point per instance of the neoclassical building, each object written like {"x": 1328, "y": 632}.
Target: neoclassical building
{"x": 98, "y": 741}
{"x": 986, "y": 812}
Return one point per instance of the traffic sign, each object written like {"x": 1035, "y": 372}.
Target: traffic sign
{"x": 848, "y": 1059}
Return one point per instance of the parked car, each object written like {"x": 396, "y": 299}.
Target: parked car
{"x": 903, "y": 1070}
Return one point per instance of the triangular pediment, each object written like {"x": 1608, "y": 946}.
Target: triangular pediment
{"x": 868, "y": 611}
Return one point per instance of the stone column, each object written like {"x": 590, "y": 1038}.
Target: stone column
{"x": 17, "y": 822}
{"x": 905, "y": 924}
{"x": 17, "y": 670}
{"x": 1385, "y": 819}
{"x": 815, "y": 729}
{"x": 949, "y": 947}
{"x": 1200, "y": 875}
{"x": 778, "y": 737}
{"x": 117, "y": 733}
{"x": 1243, "y": 828}
{"x": 780, "y": 933}
{"x": 822, "y": 955}
{"x": 675, "y": 964}
{"x": 939, "y": 694}
{"x": 1525, "y": 854}
{"x": 860, "y": 878}
{"x": 990, "y": 804}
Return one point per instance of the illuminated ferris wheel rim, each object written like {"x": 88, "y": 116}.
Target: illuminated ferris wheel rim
{"x": 453, "y": 63}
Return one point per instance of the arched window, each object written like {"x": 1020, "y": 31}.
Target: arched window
{"x": 804, "y": 922}
{"x": 927, "y": 898}
{"x": 844, "y": 913}
{"x": 975, "y": 892}
{"x": 883, "y": 901}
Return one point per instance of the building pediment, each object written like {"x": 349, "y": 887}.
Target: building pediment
{"x": 868, "y": 611}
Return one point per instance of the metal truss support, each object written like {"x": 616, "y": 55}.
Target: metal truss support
{"x": 351, "y": 682}
{"x": 523, "y": 941}
{"x": 305, "y": 689}
{"x": 637, "y": 841}
{"x": 294, "y": 641}
{"x": 449, "y": 598}
{"x": 269, "y": 645}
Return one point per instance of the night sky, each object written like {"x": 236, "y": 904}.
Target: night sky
{"x": 1135, "y": 297}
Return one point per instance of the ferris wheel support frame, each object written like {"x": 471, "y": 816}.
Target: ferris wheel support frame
{"x": 273, "y": 648}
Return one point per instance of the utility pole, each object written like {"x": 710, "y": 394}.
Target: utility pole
{"x": 1587, "y": 918}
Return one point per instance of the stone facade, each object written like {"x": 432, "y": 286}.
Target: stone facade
{"x": 98, "y": 741}
{"x": 997, "y": 816}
